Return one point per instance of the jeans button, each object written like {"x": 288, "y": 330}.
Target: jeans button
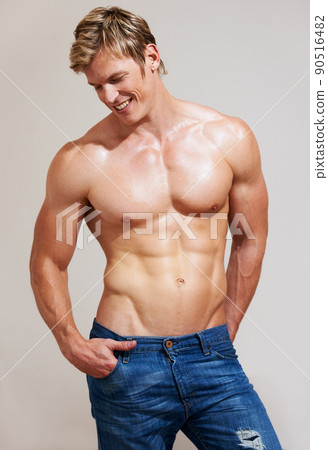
{"x": 169, "y": 344}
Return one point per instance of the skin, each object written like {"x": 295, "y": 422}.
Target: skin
{"x": 170, "y": 158}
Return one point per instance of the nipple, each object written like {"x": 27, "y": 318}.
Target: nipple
{"x": 214, "y": 207}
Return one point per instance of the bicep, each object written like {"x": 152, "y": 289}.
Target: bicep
{"x": 55, "y": 236}
{"x": 248, "y": 197}
{"x": 60, "y": 217}
{"x": 248, "y": 208}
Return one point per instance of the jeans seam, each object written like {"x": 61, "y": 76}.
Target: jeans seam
{"x": 196, "y": 433}
{"x": 193, "y": 393}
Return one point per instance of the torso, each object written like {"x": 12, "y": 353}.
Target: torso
{"x": 169, "y": 278}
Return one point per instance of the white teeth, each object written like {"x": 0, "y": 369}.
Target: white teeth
{"x": 123, "y": 105}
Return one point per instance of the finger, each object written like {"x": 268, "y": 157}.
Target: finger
{"x": 121, "y": 345}
{"x": 102, "y": 374}
{"x": 110, "y": 365}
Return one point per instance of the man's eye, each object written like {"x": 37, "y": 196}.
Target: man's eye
{"x": 116, "y": 80}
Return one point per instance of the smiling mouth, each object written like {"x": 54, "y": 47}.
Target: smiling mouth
{"x": 123, "y": 105}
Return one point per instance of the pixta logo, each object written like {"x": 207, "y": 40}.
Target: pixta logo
{"x": 182, "y": 224}
{"x": 66, "y": 227}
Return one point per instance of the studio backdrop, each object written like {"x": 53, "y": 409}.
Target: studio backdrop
{"x": 245, "y": 58}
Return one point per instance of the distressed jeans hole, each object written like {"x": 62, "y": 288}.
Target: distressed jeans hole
{"x": 250, "y": 439}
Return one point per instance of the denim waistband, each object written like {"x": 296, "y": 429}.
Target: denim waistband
{"x": 155, "y": 343}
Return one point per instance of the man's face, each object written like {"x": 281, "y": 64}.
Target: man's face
{"x": 121, "y": 87}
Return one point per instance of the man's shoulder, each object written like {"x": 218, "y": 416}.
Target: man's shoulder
{"x": 77, "y": 157}
{"x": 230, "y": 135}
{"x": 97, "y": 136}
{"x": 216, "y": 123}
{"x": 81, "y": 148}
{"x": 199, "y": 112}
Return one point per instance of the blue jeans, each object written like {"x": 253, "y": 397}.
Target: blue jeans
{"x": 193, "y": 383}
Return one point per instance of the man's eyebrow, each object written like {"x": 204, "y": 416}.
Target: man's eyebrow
{"x": 113, "y": 75}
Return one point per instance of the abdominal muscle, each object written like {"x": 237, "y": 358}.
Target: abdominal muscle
{"x": 166, "y": 288}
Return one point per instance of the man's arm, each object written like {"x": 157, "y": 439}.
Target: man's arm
{"x": 67, "y": 184}
{"x": 249, "y": 197}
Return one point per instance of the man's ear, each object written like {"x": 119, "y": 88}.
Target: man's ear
{"x": 152, "y": 56}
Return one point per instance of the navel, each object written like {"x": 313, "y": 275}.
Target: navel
{"x": 180, "y": 280}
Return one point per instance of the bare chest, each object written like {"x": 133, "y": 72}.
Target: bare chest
{"x": 186, "y": 177}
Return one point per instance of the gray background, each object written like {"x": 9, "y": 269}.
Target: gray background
{"x": 240, "y": 57}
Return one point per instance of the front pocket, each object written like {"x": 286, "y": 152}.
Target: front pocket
{"x": 223, "y": 349}
{"x": 117, "y": 355}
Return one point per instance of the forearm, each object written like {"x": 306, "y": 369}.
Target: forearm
{"x": 94, "y": 356}
{"x": 243, "y": 274}
{"x": 50, "y": 287}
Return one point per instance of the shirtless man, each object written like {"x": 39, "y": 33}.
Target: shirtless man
{"x": 160, "y": 356}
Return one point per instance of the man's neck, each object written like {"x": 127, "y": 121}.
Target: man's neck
{"x": 160, "y": 119}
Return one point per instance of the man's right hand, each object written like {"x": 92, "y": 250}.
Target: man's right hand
{"x": 95, "y": 356}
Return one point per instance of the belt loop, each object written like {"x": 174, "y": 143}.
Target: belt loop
{"x": 203, "y": 343}
{"x": 127, "y": 353}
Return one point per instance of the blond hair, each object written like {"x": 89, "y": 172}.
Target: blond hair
{"x": 120, "y": 32}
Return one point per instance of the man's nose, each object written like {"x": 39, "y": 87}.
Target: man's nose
{"x": 110, "y": 94}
